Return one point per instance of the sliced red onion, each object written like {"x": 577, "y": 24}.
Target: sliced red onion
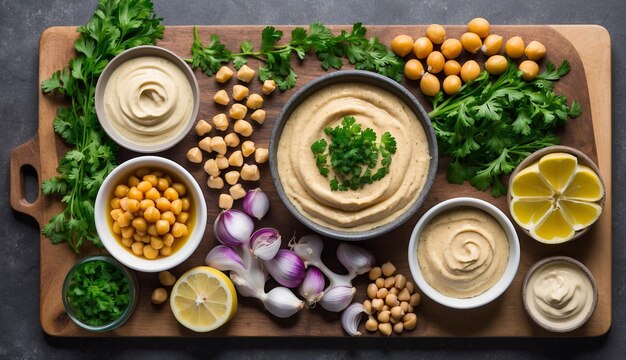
{"x": 256, "y": 203}
{"x": 309, "y": 248}
{"x": 312, "y": 287}
{"x": 286, "y": 268}
{"x": 265, "y": 243}
{"x": 224, "y": 258}
{"x": 233, "y": 228}
{"x": 354, "y": 258}
{"x": 337, "y": 298}
{"x": 351, "y": 317}
{"x": 281, "y": 302}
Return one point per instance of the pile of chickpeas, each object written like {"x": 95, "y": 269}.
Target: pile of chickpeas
{"x": 477, "y": 38}
{"x": 392, "y": 301}
{"x": 150, "y": 212}
{"x": 219, "y": 145}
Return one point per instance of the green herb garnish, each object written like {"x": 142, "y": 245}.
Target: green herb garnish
{"x": 365, "y": 54}
{"x": 489, "y": 127}
{"x": 353, "y": 155}
{"x": 117, "y": 25}
{"x": 98, "y": 293}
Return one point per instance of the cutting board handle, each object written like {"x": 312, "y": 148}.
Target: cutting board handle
{"x": 26, "y": 154}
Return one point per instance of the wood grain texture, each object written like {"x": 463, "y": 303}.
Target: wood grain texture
{"x": 503, "y": 317}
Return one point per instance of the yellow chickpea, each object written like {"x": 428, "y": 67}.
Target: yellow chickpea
{"x": 134, "y": 193}
{"x": 140, "y": 173}
{"x": 152, "y": 214}
{"x": 168, "y": 239}
{"x": 127, "y": 242}
{"x": 452, "y": 67}
{"x": 470, "y": 70}
{"x": 496, "y": 64}
{"x": 156, "y": 242}
{"x": 151, "y": 230}
{"x": 413, "y": 69}
{"x": 186, "y": 204}
{"x": 144, "y": 186}
{"x": 451, "y": 84}
{"x": 180, "y": 188}
{"x": 116, "y": 228}
{"x": 132, "y": 205}
{"x": 115, "y": 213}
{"x": 170, "y": 194}
{"x": 137, "y": 248}
{"x": 183, "y": 217}
{"x": 535, "y": 50}
{"x": 492, "y": 45}
{"x": 128, "y": 232}
{"x": 429, "y": 84}
{"x": 133, "y": 180}
{"x": 162, "y": 227}
{"x": 125, "y": 219}
{"x": 145, "y": 203}
{"x": 121, "y": 191}
{"x": 163, "y": 204}
{"x": 402, "y": 45}
{"x": 422, "y": 47}
{"x": 479, "y": 26}
{"x": 177, "y": 206}
{"x": 435, "y": 62}
{"x": 514, "y": 47}
{"x": 115, "y": 203}
{"x": 471, "y": 42}
{"x": 451, "y": 48}
{"x": 179, "y": 230}
{"x": 140, "y": 224}
{"x": 529, "y": 70}
{"x": 150, "y": 253}
{"x": 162, "y": 184}
{"x": 151, "y": 179}
{"x": 169, "y": 217}
{"x": 436, "y": 33}
{"x": 165, "y": 250}
{"x": 153, "y": 194}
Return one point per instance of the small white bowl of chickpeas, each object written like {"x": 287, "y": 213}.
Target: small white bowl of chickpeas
{"x": 150, "y": 214}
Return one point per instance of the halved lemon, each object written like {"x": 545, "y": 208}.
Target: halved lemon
{"x": 203, "y": 299}
{"x": 555, "y": 197}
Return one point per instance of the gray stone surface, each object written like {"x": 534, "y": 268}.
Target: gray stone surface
{"x": 21, "y": 23}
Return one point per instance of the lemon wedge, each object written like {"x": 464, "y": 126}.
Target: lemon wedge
{"x": 555, "y": 197}
{"x": 203, "y": 299}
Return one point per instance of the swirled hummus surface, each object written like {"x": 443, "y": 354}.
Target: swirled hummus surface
{"x": 375, "y": 204}
{"x": 559, "y": 295}
{"x": 148, "y": 100}
{"x": 463, "y": 252}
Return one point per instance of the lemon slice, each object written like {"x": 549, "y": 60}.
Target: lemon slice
{"x": 528, "y": 211}
{"x": 203, "y": 299}
{"x": 585, "y": 185}
{"x": 581, "y": 214}
{"x": 553, "y": 228}
{"x": 558, "y": 169}
{"x": 529, "y": 182}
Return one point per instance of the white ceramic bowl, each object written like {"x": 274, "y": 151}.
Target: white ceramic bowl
{"x": 105, "y": 233}
{"x": 498, "y": 288}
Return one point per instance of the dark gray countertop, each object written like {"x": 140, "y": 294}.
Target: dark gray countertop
{"x": 21, "y": 23}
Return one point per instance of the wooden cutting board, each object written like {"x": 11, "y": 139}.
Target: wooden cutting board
{"x": 586, "y": 47}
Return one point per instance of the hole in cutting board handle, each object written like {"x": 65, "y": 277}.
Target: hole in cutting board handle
{"x": 30, "y": 183}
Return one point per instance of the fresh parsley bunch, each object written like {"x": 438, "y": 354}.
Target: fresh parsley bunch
{"x": 116, "y": 25}
{"x": 489, "y": 127}
{"x": 351, "y": 149}
{"x": 365, "y": 54}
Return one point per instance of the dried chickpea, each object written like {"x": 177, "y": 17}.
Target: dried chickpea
{"x": 529, "y": 69}
{"x": 255, "y": 101}
{"x": 371, "y": 324}
{"x": 245, "y": 74}
{"x": 243, "y": 128}
{"x": 471, "y": 42}
{"x": 231, "y": 140}
{"x": 391, "y": 300}
{"x": 429, "y": 84}
{"x": 159, "y": 295}
{"x": 385, "y": 329}
{"x": 451, "y": 84}
{"x": 384, "y": 316}
{"x": 372, "y": 290}
{"x": 535, "y": 50}
{"x": 388, "y": 269}
{"x": 436, "y": 33}
{"x": 221, "y": 161}
{"x": 215, "y": 182}
{"x": 203, "y": 128}
{"x": 137, "y": 248}
{"x": 250, "y": 173}
{"x": 179, "y": 230}
{"x": 451, "y": 48}
{"x": 422, "y": 47}
{"x": 404, "y": 295}
{"x": 452, "y": 67}
{"x": 237, "y": 191}
{"x": 397, "y": 312}
{"x": 133, "y": 180}
{"x": 150, "y": 253}
{"x": 268, "y": 87}
{"x": 380, "y": 282}
{"x": 218, "y": 145}
{"x": 409, "y": 286}
{"x": 470, "y": 71}
{"x": 375, "y": 273}
{"x": 435, "y": 62}
{"x": 237, "y": 111}
{"x": 496, "y": 64}
{"x": 169, "y": 217}
{"x": 492, "y": 45}
{"x": 247, "y": 148}
{"x": 261, "y": 155}
{"x": 121, "y": 191}
{"x": 166, "y": 278}
{"x": 205, "y": 144}
{"x": 402, "y": 45}
{"x": 390, "y": 282}
{"x": 378, "y": 304}
{"x": 382, "y": 293}
{"x": 398, "y": 327}
{"x": 367, "y": 307}
{"x": 235, "y": 159}
{"x": 225, "y": 201}
{"x": 232, "y": 177}
{"x": 413, "y": 69}
{"x": 514, "y": 47}
{"x": 194, "y": 155}
{"x": 409, "y": 321}
{"x": 415, "y": 299}
{"x": 240, "y": 92}
{"x": 220, "y": 121}
{"x": 258, "y": 116}
{"x": 223, "y": 74}
{"x": 479, "y": 26}
{"x": 221, "y": 97}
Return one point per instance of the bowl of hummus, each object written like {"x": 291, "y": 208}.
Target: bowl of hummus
{"x": 147, "y": 99}
{"x": 464, "y": 253}
{"x": 353, "y": 155}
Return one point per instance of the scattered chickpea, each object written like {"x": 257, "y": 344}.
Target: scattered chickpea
{"x": 247, "y": 148}
{"x": 496, "y": 64}
{"x": 391, "y": 300}
{"x": 231, "y": 140}
{"x": 240, "y": 92}
{"x": 397, "y": 312}
{"x": 243, "y": 128}
{"x": 479, "y": 26}
{"x": 382, "y": 293}
{"x": 398, "y": 327}
{"x": 367, "y": 307}
{"x": 400, "y": 281}
{"x": 384, "y": 316}
{"x": 471, "y": 42}
{"x": 218, "y": 145}
{"x": 535, "y": 50}
{"x": 220, "y": 121}
{"x": 237, "y": 111}
{"x": 529, "y": 69}
{"x": 402, "y": 45}
{"x": 451, "y": 84}
{"x": 413, "y": 69}
{"x": 245, "y": 74}
{"x": 429, "y": 85}
{"x": 205, "y": 144}
{"x": 255, "y": 101}
{"x": 258, "y": 116}
{"x": 514, "y": 47}
{"x": 372, "y": 290}
{"x": 268, "y": 87}
{"x": 451, "y": 48}
{"x": 375, "y": 273}
{"x": 422, "y": 47}
{"x": 221, "y": 161}
{"x": 378, "y": 304}
{"x": 210, "y": 166}
{"x": 404, "y": 295}
{"x": 380, "y": 282}
{"x": 435, "y": 62}
{"x": 221, "y": 97}
{"x": 166, "y": 278}
{"x": 159, "y": 295}
{"x": 470, "y": 70}
{"x": 409, "y": 286}
{"x": 390, "y": 282}
{"x": 385, "y": 329}
{"x": 237, "y": 191}
{"x": 203, "y": 128}
{"x": 415, "y": 299}
{"x": 492, "y": 45}
{"x": 261, "y": 155}
{"x": 235, "y": 159}
{"x": 436, "y": 33}
{"x": 215, "y": 182}
{"x": 371, "y": 324}
{"x": 225, "y": 201}
{"x": 394, "y": 291}
{"x": 223, "y": 74}
{"x": 410, "y": 321}
{"x": 194, "y": 155}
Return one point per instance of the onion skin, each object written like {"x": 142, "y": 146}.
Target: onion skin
{"x": 286, "y": 268}
{"x": 233, "y": 228}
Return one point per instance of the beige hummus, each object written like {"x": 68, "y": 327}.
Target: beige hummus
{"x": 376, "y": 204}
{"x": 148, "y": 100}
{"x": 463, "y": 252}
{"x": 559, "y": 295}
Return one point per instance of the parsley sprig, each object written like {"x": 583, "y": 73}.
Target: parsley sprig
{"x": 365, "y": 54}
{"x": 353, "y": 155}
{"x": 489, "y": 127}
{"x": 116, "y": 25}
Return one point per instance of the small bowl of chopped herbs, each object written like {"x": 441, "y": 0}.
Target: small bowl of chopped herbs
{"x": 99, "y": 294}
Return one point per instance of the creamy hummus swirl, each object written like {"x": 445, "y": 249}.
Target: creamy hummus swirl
{"x": 463, "y": 252}
{"x": 559, "y": 294}
{"x": 376, "y": 204}
{"x": 148, "y": 100}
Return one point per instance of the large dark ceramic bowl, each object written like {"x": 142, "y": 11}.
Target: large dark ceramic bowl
{"x": 384, "y": 83}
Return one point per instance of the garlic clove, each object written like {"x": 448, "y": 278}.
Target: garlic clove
{"x": 337, "y": 298}
{"x": 354, "y": 258}
{"x": 256, "y": 203}
{"x": 351, "y": 317}
{"x": 281, "y": 302}
{"x": 309, "y": 248}
{"x": 265, "y": 243}
{"x": 224, "y": 258}
{"x": 286, "y": 268}
{"x": 233, "y": 228}
{"x": 244, "y": 288}
{"x": 312, "y": 287}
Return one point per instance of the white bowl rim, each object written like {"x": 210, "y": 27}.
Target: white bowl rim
{"x": 499, "y": 287}
{"x": 124, "y": 256}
